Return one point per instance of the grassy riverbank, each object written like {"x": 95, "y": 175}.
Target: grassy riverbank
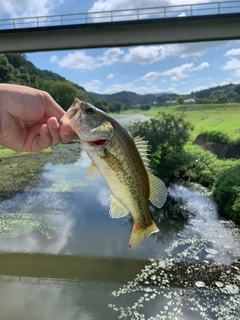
{"x": 193, "y": 163}
{"x": 18, "y": 170}
{"x": 204, "y": 117}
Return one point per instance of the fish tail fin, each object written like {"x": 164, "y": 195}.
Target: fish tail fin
{"x": 139, "y": 234}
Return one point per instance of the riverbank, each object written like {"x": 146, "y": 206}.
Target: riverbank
{"x": 222, "y": 117}
{"x": 19, "y": 170}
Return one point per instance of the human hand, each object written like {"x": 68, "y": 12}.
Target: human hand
{"x": 29, "y": 119}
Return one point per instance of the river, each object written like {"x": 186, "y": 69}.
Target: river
{"x": 62, "y": 256}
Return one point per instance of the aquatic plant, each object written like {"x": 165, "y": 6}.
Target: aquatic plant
{"x": 182, "y": 285}
{"x": 13, "y": 225}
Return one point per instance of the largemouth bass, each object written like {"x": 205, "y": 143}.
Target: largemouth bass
{"x": 123, "y": 163}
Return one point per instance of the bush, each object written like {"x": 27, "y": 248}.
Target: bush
{"x": 217, "y": 136}
{"x": 204, "y": 167}
{"x": 166, "y": 137}
{"x": 227, "y": 193}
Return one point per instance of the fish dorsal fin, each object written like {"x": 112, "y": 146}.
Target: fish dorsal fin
{"x": 142, "y": 147}
{"x": 158, "y": 191}
{"x": 116, "y": 209}
{"x": 92, "y": 172}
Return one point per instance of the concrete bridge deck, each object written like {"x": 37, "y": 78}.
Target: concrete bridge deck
{"x": 122, "y": 33}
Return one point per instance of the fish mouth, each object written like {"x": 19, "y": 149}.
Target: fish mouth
{"x": 98, "y": 143}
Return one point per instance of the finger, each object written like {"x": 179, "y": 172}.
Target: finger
{"x": 52, "y": 108}
{"x": 43, "y": 140}
{"x": 66, "y": 133}
{"x": 53, "y": 127}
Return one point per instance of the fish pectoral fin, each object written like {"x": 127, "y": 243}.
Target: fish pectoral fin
{"x": 117, "y": 210}
{"x": 139, "y": 234}
{"x": 92, "y": 172}
{"x": 158, "y": 191}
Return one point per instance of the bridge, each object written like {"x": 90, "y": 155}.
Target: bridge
{"x": 144, "y": 26}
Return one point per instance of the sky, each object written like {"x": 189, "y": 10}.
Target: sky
{"x": 178, "y": 68}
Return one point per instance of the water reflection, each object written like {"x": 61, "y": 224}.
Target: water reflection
{"x": 205, "y": 224}
{"x": 62, "y": 255}
{"x": 53, "y": 300}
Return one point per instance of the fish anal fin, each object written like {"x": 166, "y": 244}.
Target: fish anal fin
{"x": 158, "y": 191}
{"x": 92, "y": 172}
{"x": 139, "y": 234}
{"x": 117, "y": 210}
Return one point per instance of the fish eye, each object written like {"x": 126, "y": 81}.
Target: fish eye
{"x": 89, "y": 110}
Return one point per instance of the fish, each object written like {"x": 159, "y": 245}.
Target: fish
{"x": 123, "y": 163}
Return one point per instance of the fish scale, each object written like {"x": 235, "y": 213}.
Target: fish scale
{"x": 123, "y": 163}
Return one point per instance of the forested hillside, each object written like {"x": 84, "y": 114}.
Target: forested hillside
{"x": 219, "y": 94}
{"x": 129, "y": 99}
{"x": 15, "y": 68}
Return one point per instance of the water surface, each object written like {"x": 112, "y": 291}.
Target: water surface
{"x": 62, "y": 256}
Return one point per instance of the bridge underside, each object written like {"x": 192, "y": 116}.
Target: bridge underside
{"x": 123, "y": 33}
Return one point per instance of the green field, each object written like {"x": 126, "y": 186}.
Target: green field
{"x": 224, "y": 118}
{"x": 5, "y": 152}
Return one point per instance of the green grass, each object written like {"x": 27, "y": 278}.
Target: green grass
{"x": 204, "y": 117}
{"x": 5, "y": 152}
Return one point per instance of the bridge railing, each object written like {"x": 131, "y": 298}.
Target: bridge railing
{"x": 217, "y": 8}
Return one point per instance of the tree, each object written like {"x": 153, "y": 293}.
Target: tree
{"x": 166, "y": 137}
{"x": 237, "y": 89}
{"x": 5, "y": 69}
{"x": 222, "y": 99}
{"x": 115, "y": 106}
{"x": 101, "y": 104}
{"x": 63, "y": 92}
{"x": 145, "y": 107}
{"x": 180, "y": 100}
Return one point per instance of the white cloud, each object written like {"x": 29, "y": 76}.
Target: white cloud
{"x": 134, "y": 88}
{"x": 28, "y": 8}
{"x": 142, "y": 55}
{"x": 106, "y": 5}
{"x": 92, "y": 86}
{"x": 233, "y": 65}
{"x": 150, "y": 76}
{"x": 145, "y": 54}
{"x": 193, "y": 50}
{"x": 53, "y": 59}
{"x": 202, "y": 66}
{"x": 110, "y": 56}
{"x": 80, "y": 60}
{"x": 178, "y": 73}
{"x": 150, "y": 54}
{"x": 233, "y": 52}
{"x": 110, "y": 75}
{"x": 181, "y": 72}
{"x": 237, "y": 73}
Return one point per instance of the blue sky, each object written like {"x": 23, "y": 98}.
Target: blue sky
{"x": 179, "y": 68}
